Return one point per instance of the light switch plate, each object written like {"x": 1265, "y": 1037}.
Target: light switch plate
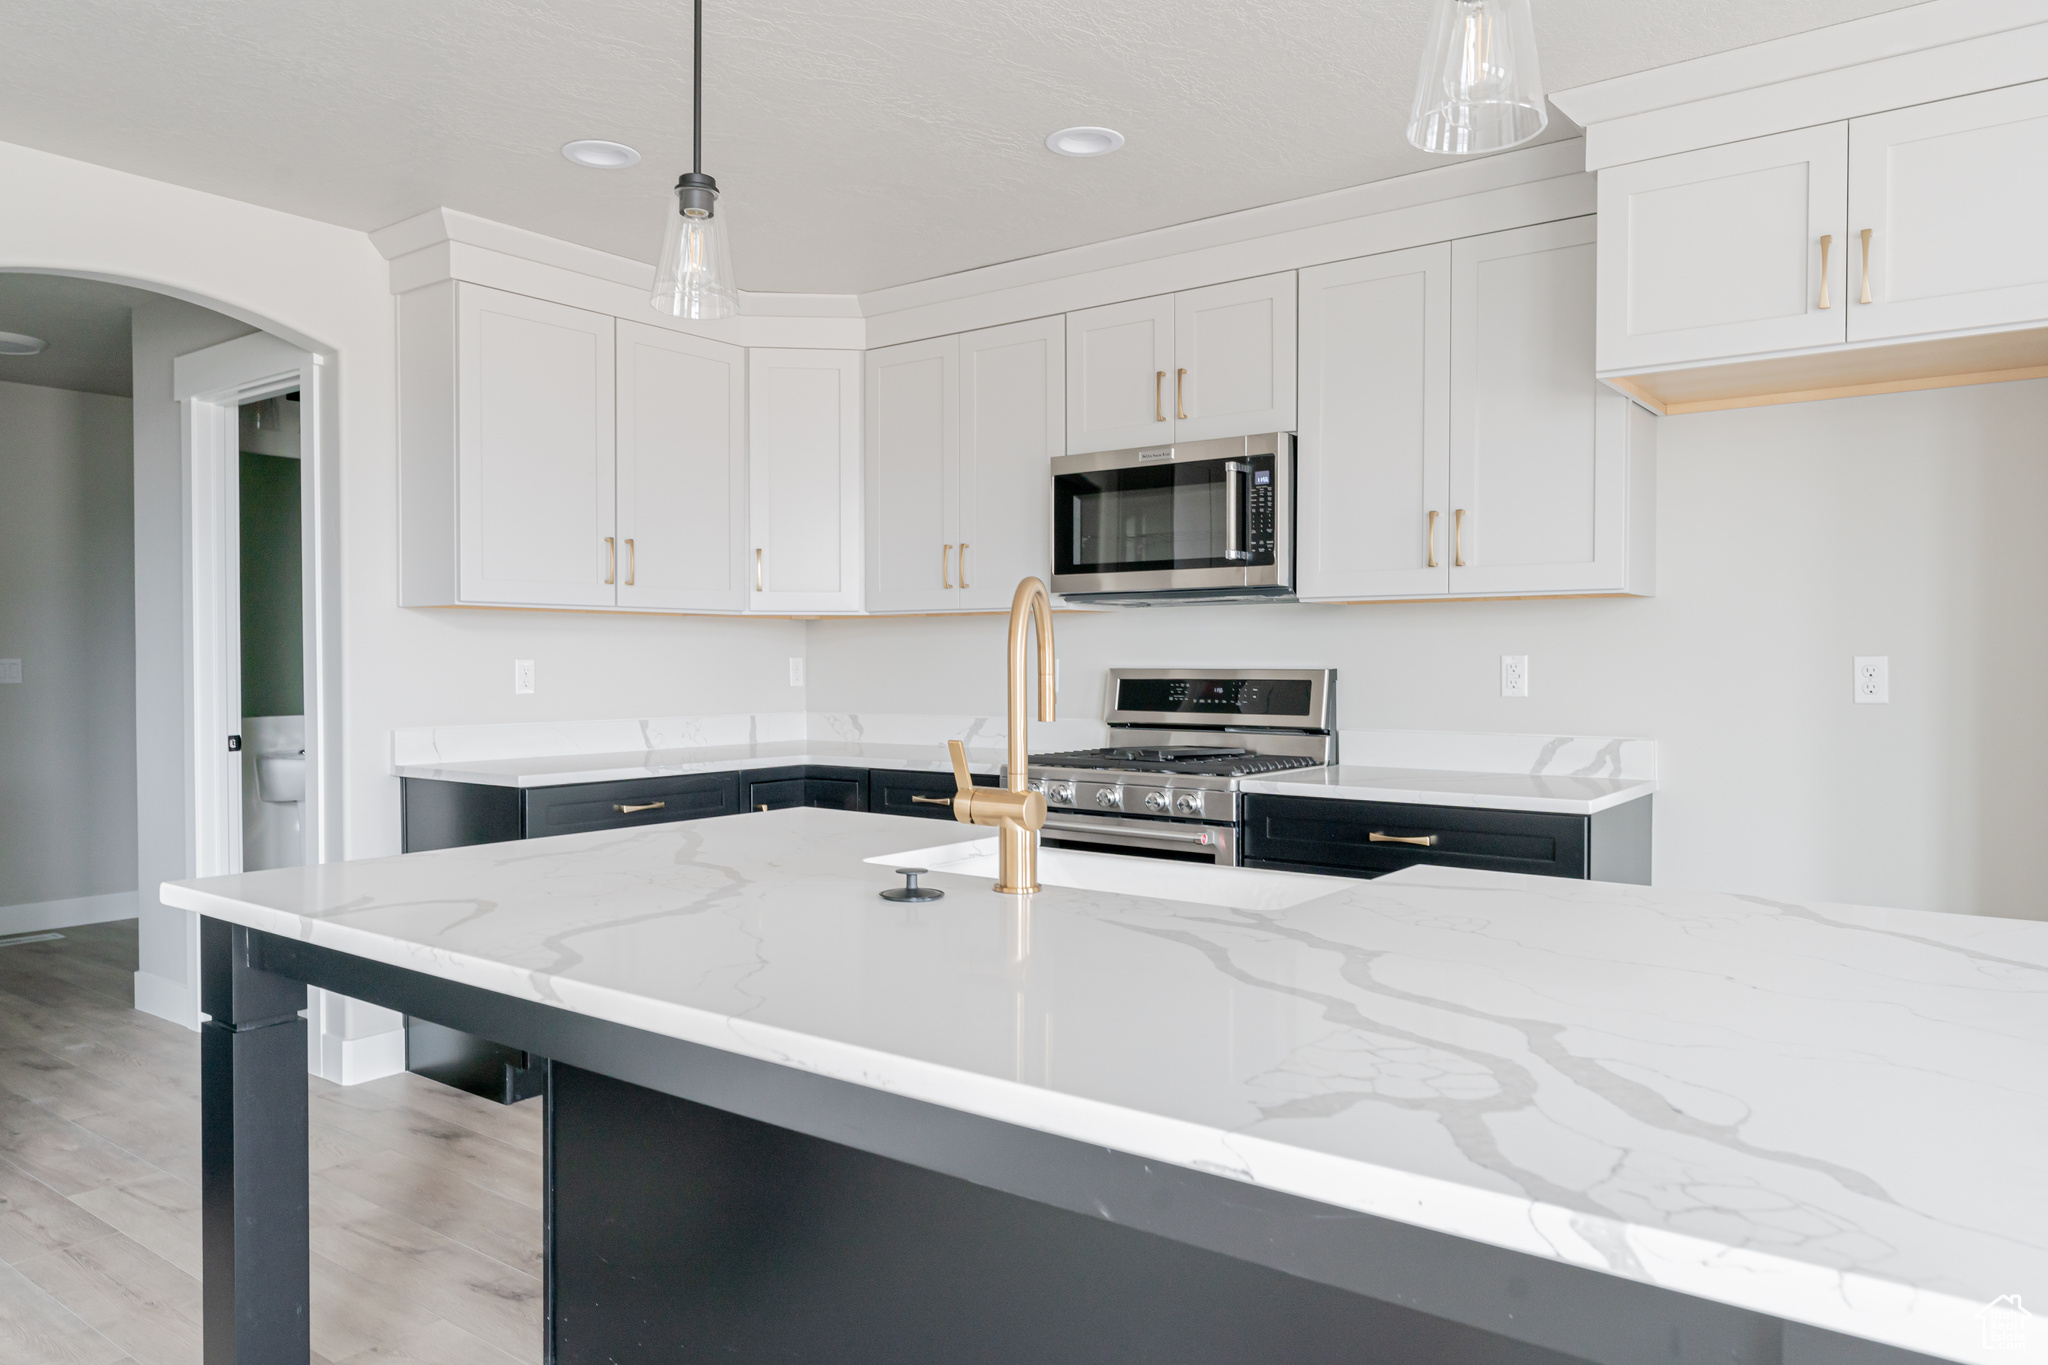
{"x": 1514, "y": 675}
{"x": 1873, "y": 679}
{"x": 10, "y": 670}
{"x": 796, "y": 672}
{"x": 522, "y": 675}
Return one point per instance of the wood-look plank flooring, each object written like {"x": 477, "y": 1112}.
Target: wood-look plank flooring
{"x": 426, "y": 1201}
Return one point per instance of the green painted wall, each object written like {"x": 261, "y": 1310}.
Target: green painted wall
{"x": 273, "y": 654}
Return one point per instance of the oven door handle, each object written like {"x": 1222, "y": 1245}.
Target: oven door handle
{"x": 1233, "y": 514}
{"x": 1205, "y": 838}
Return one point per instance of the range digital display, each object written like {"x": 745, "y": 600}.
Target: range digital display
{"x": 1215, "y": 696}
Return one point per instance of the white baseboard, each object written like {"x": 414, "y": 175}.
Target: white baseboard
{"x": 36, "y": 916}
{"x": 167, "y": 999}
{"x": 355, "y": 1060}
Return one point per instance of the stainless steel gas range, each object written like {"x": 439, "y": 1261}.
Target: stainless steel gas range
{"x": 1186, "y": 737}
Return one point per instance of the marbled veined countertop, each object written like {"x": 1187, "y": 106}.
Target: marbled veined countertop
{"x": 1562, "y": 795}
{"x": 554, "y": 770}
{"x": 1831, "y": 1114}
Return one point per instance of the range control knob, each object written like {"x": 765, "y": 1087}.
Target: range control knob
{"x": 1190, "y": 803}
{"x": 1157, "y": 800}
{"x": 1061, "y": 793}
{"x": 1109, "y": 796}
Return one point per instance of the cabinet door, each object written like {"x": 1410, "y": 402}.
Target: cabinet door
{"x": 803, "y": 480}
{"x": 534, "y": 448}
{"x": 1955, "y": 196}
{"x": 1233, "y": 359}
{"x": 1539, "y": 448}
{"x": 1011, "y": 381}
{"x": 1717, "y": 253}
{"x": 1120, "y": 375}
{"x": 1374, "y": 456}
{"x": 912, "y": 456}
{"x": 682, "y": 471}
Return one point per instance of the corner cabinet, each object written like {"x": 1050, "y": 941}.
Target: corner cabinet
{"x": 1453, "y": 439}
{"x": 804, "y": 481}
{"x": 1192, "y": 366}
{"x": 682, "y": 471}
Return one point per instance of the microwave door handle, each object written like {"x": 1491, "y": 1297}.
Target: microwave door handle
{"x": 1233, "y": 515}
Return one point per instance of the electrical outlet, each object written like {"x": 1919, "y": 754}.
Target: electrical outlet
{"x": 1873, "y": 679}
{"x": 1514, "y": 675}
{"x": 522, "y": 675}
{"x": 10, "y": 670}
{"x": 796, "y": 672}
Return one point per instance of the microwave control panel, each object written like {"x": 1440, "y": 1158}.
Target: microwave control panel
{"x": 1259, "y": 517}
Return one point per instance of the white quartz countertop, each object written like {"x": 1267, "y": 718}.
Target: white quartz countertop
{"x": 1832, "y": 1114}
{"x": 1558, "y": 794}
{"x": 555, "y": 770}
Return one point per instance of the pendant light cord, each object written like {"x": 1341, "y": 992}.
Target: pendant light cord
{"x": 697, "y": 94}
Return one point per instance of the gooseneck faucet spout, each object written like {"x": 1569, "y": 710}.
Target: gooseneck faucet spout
{"x": 1017, "y": 813}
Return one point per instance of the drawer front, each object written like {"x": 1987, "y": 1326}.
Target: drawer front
{"x": 775, "y": 794}
{"x": 623, "y": 805}
{"x": 897, "y": 793}
{"x": 1339, "y": 836}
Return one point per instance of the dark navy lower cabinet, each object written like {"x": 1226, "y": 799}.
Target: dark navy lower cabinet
{"x": 928, "y": 796}
{"x": 459, "y": 814}
{"x": 1373, "y": 838}
{"x": 805, "y": 785}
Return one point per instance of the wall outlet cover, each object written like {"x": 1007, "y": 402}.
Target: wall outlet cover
{"x": 1514, "y": 675}
{"x": 10, "y": 670}
{"x": 796, "y": 672}
{"x": 1873, "y": 679}
{"x": 522, "y": 676}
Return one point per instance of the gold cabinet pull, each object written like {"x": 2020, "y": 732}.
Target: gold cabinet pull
{"x": 1420, "y": 840}
{"x": 963, "y": 563}
{"x": 762, "y": 806}
{"x": 757, "y": 571}
{"x": 1432, "y": 537}
{"x": 1180, "y": 399}
{"x": 946, "y": 566}
{"x": 611, "y": 560}
{"x": 1458, "y": 538}
{"x": 1866, "y": 266}
{"x": 1159, "y": 396}
{"x": 1825, "y": 243}
{"x": 635, "y": 810}
{"x": 632, "y": 562}
{"x": 932, "y": 800}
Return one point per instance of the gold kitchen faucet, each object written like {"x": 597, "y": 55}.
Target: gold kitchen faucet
{"x": 1017, "y": 813}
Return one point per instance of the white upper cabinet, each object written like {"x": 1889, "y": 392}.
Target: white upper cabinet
{"x": 1192, "y": 366}
{"x": 1373, "y": 457}
{"x": 804, "y": 481}
{"x": 913, "y": 473}
{"x": 1719, "y": 252}
{"x": 1550, "y": 477}
{"x": 1954, "y": 195}
{"x": 961, "y": 431}
{"x": 682, "y": 471}
{"x": 1234, "y": 359}
{"x": 1119, "y": 368}
{"x": 1012, "y": 416}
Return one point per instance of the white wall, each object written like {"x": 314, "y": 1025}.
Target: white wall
{"x": 1790, "y": 539}
{"x": 67, "y": 732}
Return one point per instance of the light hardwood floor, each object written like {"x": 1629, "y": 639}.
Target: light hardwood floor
{"x": 426, "y": 1201}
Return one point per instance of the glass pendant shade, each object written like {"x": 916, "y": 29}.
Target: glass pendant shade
{"x": 1479, "y": 90}
{"x": 694, "y": 279}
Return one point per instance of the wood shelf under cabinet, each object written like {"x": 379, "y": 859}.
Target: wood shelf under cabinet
{"x": 1939, "y": 363}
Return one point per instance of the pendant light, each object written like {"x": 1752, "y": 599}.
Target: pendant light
{"x": 694, "y": 279}
{"x": 1479, "y": 90}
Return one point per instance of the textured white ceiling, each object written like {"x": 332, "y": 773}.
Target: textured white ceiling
{"x": 86, "y": 324}
{"x": 859, "y": 144}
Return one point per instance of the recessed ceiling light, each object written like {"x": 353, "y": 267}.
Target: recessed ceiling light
{"x": 605, "y": 156}
{"x": 14, "y": 343}
{"x": 1085, "y": 141}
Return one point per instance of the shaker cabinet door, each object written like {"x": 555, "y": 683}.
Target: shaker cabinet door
{"x": 1011, "y": 420}
{"x": 1719, "y": 253}
{"x": 913, "y": 462}
{"x": 1373, "y": 458}
{"x": 1120, "y": 376}
{"x": 682, "y": 471}
{"x": 1233, "y": 352}
{"x": 534, "y": 442}
{"x": 1954, "y": 195}
{"x": 804, "y": 481}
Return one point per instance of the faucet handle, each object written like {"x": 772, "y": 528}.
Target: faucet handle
{"x": 962, "y": 779}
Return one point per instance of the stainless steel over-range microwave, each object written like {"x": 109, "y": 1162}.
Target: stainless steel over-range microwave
{"x": 1196, "y": 521}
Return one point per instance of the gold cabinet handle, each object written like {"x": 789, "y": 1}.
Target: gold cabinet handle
{"x": 635, "y": 810}
{"x": 1866, "y": 266}
{"x": 1159, "y": 396}
{"x": 1420, "y": 840}
{"x": 1825, "y": 243}
{"x": 963, "y": 563}
{"x": 762, "y": 806}
{"x": 757, "y": 571}
{"x": 1432, "y": 537}
{"x": 932, "y": 800}
{"x": 1458, "y": 538}
{"x": 946, "y": 566}
{"x": 1180, "y": 391}
{"x": 611, "y": 560}
{"x": 632, "y": 562}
